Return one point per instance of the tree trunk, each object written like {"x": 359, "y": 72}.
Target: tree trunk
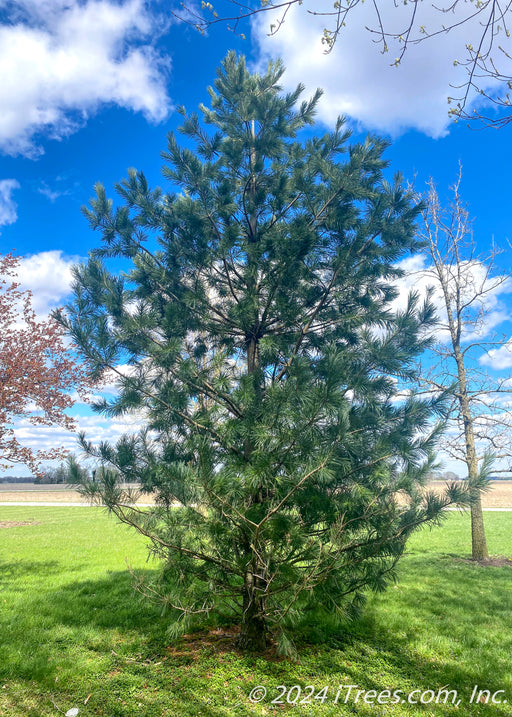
{"x": 253, "y": 629}
{"x": 478, "y": 540}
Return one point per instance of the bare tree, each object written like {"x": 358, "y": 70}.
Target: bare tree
{"x": 466, "y": 286}
{"x": 486, "y": 59}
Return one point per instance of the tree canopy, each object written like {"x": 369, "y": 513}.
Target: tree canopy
{"x": 37, "y": 373}
{"x": 253, "y": 332}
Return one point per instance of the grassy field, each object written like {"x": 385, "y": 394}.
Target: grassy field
{"x": 73, "y": 634}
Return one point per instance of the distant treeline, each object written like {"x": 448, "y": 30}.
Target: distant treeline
{"x": 48, "y": 476}
{"x": 449, "y": 476}
{"x": 16, "y": 479}
{"x": 60, "y": 475}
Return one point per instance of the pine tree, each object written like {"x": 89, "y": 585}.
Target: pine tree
{"x": 253, "y": 332}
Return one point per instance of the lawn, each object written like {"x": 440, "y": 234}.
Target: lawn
{"x": 74, "y": 634}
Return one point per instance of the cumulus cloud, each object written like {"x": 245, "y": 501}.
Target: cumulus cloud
{"x": 7, "y": 204}
{"x": 358, "y": 78}
{"x": 485, "y": 313}
{"x": 500, "y": 358}
{"x": 97, "y": 429}
{"x": 60, "y": 60}
{"x": 48, "y": 276}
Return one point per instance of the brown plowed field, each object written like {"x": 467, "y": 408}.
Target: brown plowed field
{"x": 46, "y": 494}
{"x": 499, "y": 496}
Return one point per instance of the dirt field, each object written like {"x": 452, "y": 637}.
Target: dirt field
{"x": 40, "y": 496}
{"x": 27, "y": 493}
{"x": 499, "y": 496}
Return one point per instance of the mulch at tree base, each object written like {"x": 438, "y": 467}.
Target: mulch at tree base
{"x": 219, "y": 640}
{"x": 497, "y": 561}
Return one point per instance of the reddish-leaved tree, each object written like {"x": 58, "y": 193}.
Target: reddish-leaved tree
{"x": 37, "y": 373}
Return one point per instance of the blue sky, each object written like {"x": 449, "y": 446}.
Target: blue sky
{"x": 89, "y": 89}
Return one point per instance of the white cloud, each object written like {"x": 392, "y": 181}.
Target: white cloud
{"x": 358, "y": 78}
{"x": 500, "y": 358}
{"x": 97, "y": 429}
{"x": 61, "y": 60}
{"x": 51, "y": 194}
{"x": 7, "y": 205}
{"x": 485, "y": 314}
{"x": 48, "y": 276}
{"x": 110, "y": 381}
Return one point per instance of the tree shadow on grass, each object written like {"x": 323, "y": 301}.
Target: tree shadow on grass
{"x": 102, "y": 627}
{"x": 462, "y": 610}
{"x": 101, "y": 632}
{"x": 25, "y": 569}
{"x": 47, "y": 627}
{"x": 110, "y": 603}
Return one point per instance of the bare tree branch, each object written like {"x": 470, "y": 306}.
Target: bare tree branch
{"x": 488, "y": 60}
{"x": 479, "y": 423}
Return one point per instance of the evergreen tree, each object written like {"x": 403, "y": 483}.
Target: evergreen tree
{"x": 265, "y": 360}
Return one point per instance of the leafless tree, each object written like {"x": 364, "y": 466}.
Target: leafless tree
{"x": 488, "y": 58}
{"x": 465, "y": 287}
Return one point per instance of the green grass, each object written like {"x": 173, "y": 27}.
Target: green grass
{"x": 73, "y": 631}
